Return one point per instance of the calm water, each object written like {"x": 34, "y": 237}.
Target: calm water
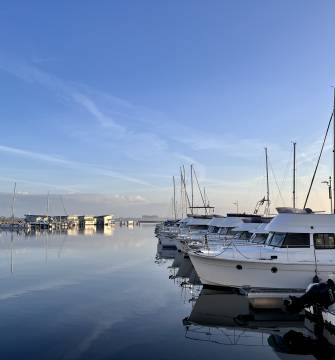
{"x": 108, "y": 296}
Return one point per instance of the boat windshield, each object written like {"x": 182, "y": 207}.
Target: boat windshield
{"x": 243, "y": 235}
{"x": 227, "y": 231}
{"x": 199, "y": 227}
{"x": 258, "y": 238}
{"x": 213, "y": 230}
{"x": 288, "y": 240}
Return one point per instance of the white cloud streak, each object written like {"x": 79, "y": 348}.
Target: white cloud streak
{"x": 142, "y": 144}
{"x": 91, "y": 168}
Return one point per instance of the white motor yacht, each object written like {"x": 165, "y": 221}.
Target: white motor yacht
{"x": 300, "y": 248}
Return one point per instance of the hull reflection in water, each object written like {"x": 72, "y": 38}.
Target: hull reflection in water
{"x": 226, "y": 317}
{"x": 186, "y": 272}
{"x": 165, "y": 252}
{"x": 181, "y": 268}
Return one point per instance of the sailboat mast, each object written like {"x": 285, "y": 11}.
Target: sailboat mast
{"x": 192, "y": 193}
{"x": 48, "y": 206}
{"x": 181, "y": 194}
{"x": 294, "y": 172}
{"x": 334, "y": 153}
{"x": 267, "y": 181}
{"x": 12, "y": 233}
{"x": 13, "y": 203}
{"x": 174, "y": 199}
{"x": 187, "y": 198}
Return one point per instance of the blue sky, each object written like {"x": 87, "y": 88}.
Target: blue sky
{"x": 104, "y": 100}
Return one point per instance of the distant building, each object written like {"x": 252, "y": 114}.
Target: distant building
{"x": 104, "y": 220}
{"x": 69, "y": 220}
{"x": 34, "y": 219}
{"x": 73, "y": 220}
{"x": 87, "y": 220}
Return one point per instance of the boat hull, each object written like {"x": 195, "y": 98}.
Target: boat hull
{"x": 258, "y": 274}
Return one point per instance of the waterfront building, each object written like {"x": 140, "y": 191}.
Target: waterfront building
{"x": 87, "y": 220}
{"x": 104, "y": 220}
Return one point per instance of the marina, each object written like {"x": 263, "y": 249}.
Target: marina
{"x": 263, "y": 280}
{"x": 167, "y": 186}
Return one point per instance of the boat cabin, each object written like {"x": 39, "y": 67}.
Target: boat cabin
{"x": 301, "y": 230}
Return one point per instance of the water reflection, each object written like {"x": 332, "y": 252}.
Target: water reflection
{"x": 228, "y": 317}
{"x": 165, "y": 252}
{"x": 51, "y": 244}
{"x": 117, "y": 295}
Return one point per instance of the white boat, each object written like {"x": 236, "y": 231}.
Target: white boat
{"x": 243, "y": 233}
{"x": 193, "y": 230}
{"x": 300, "y": 248}
{"x": 246, "y": 234}
{"x": 167, "y": 233}
{"x": 222, "y": 228}
{"x": 168, "y": 228}
{"x": 260, "y": 234}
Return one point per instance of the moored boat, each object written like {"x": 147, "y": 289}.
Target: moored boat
{"x": 300, "y": 249}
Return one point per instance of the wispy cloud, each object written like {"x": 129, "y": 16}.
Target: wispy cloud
{"x": 114, "y": 115}
{"x": 67, "y": 188}
{"x": 91, "y": 168}
{"x": 92, "y": 108}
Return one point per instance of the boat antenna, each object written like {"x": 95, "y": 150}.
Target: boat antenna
{"x": 294, "y": 172}
{"x": 319, "y": 158}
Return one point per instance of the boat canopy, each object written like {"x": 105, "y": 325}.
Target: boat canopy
{"x": 261, "y": 229}
{"x": 228, "y": 222}
{"x": 198, "y": 221}
{"x": 217, "y": 221}
{"x": 184, "y": 220}
{"x": 249, "y": 227}
{"x": 302, "y": 223}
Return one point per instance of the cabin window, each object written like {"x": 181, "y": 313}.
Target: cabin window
{"x": 214, "y": 230}
{"x": 230, "y": 231}
{"x": 296, "y": 241}
{"x": 199, "y": 227}
{"x": 324, "y": 241}
{"x": 277, "y": 239}
{"x": 245, "y": 235}
{"x": 222, "y": 231}
{"x": 288, "y": 240}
